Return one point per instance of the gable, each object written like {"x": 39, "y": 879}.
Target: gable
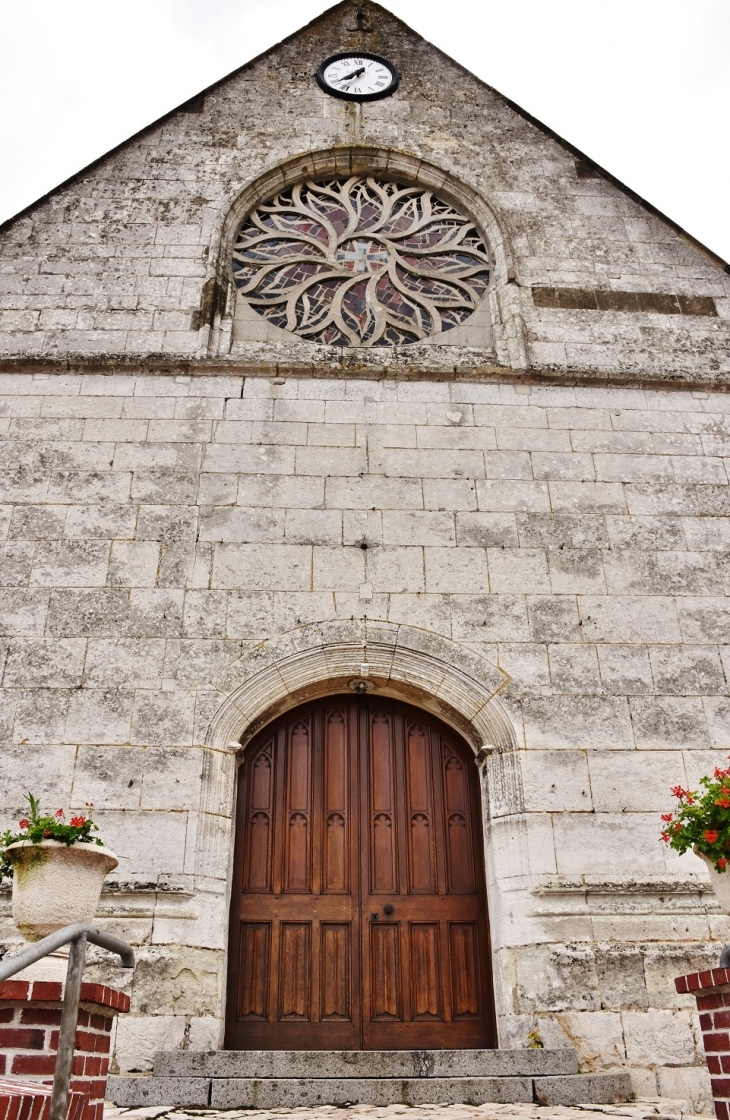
{"x": 130, "y": 260}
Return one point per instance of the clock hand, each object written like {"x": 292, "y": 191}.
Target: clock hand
{"x": 354, "y": 74}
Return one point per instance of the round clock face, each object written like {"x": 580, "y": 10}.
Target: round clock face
{"x": 358, "y": 77}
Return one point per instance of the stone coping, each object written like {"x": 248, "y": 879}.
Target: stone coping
{"x": 172, "y": 365}
{"x": 51, "y": 991}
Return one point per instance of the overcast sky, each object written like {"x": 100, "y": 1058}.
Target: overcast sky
{"x": 642, "y": 86}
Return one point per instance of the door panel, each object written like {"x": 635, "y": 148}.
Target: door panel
{"x": 294, "y": 970}
{"x": 335, "y": 970}
{"x": 425, "y": 970}
{"x": 358, "y": 913}
{"x": 385, "y": 971}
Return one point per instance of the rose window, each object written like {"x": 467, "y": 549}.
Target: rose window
{"x": 360, "y": 262}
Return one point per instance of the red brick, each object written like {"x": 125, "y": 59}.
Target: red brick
{"x": 721, "y": 1087}
{"x": 722, "y": 1019}
{"x": 710, "y": 1001}
{"x": 85, "y": 1041}
{"x": 14, "y": 989}
{"x": 6, "y": 1014}
{"x": 719, "y": 1041}
{"x": 22, "y": 1038}
{"x": 706, "y": 1022}
{"x": 714, "y": 1063}
{"x": 720, "y": 976}
{"x": 680, "y": 983}
{"x": 724, "y": 1060}
{"x": 41, "y": 1016}
{"x": 721, "y": 1110}
{"x": 2, "y": 1063}
{"x": 47, "y": 990}
{"x": 34, "y": 1063}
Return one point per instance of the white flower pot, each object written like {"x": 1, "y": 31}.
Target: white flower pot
{"x": 720, "y": 882}
{"x": 56, "y": 885}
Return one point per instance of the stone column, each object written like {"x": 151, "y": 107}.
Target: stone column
{"x": 30, "y": 1016}
{"x": 712, "y": 992}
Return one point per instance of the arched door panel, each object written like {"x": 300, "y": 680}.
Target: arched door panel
{"x": 358, "y": 916}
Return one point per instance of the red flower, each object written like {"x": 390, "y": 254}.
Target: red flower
{"x": 59, "y": 812}
{"x": 47, "y": 832}
{"x": 77, "y": 822}
{"x": 665, "y": 837}
{"x": 711, "y": 835}
{"x": 666, "y": 816}
{"x": 723, "y": 802}
{"x": 677, "y": 791}
{"x": 25, "y": 823}
{"x": 722, "y": 862}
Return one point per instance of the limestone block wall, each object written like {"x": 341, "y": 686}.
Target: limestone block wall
{"x": 158, "y": 532}
{"x": 131, "y": 258}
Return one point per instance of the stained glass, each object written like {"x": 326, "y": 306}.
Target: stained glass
{"x": 360, "y": 262}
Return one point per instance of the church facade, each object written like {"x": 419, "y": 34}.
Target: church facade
{"x": 365, "y": 512}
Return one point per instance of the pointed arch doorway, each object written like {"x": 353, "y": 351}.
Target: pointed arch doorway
{"x": 358, "y": 911}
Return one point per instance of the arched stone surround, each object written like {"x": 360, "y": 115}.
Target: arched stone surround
{"x": 502, "y": 295}
{"x": 404, "y": 662}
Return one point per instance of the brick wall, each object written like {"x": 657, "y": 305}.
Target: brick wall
{"x": 30, "y": 1017}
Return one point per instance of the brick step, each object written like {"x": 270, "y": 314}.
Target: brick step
{"x": 363, "y": 1063}
{"x": 20, "y": 1101}
{"x": 271, "y": 1093}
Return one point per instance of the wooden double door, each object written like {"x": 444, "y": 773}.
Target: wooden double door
{"x": 358, "y": 916}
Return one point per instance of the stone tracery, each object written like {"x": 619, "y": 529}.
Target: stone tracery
{"x": 360, "y": 262}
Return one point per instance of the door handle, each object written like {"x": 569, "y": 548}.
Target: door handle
{"x": 388, "y": 909}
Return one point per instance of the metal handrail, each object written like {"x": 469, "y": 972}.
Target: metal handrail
{"x": 77, "y": 936}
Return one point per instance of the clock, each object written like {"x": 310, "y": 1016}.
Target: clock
{"x": 358, "y": 76}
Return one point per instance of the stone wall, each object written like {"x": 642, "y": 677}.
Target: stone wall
{"x": 526, "y": 529}
{"x": 166, "y": 537}
{"x": 131, "y": 258}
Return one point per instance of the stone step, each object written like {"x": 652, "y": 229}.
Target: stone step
{"x": 364, "y": 1063}
{"x": 272, "y": 1093}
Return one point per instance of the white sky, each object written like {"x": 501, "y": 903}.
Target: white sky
{"x": 642, "y": 86}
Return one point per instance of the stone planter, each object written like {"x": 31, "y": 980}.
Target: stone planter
{"x": 720, "y": 883}
{"x": 56, "y": 885}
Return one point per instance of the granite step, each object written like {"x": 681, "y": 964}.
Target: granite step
{"x": 285, "y": 1079}
{"x": 363, "y": 1063}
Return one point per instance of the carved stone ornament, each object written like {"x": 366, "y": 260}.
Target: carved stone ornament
{"x": 360, "y": 262}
